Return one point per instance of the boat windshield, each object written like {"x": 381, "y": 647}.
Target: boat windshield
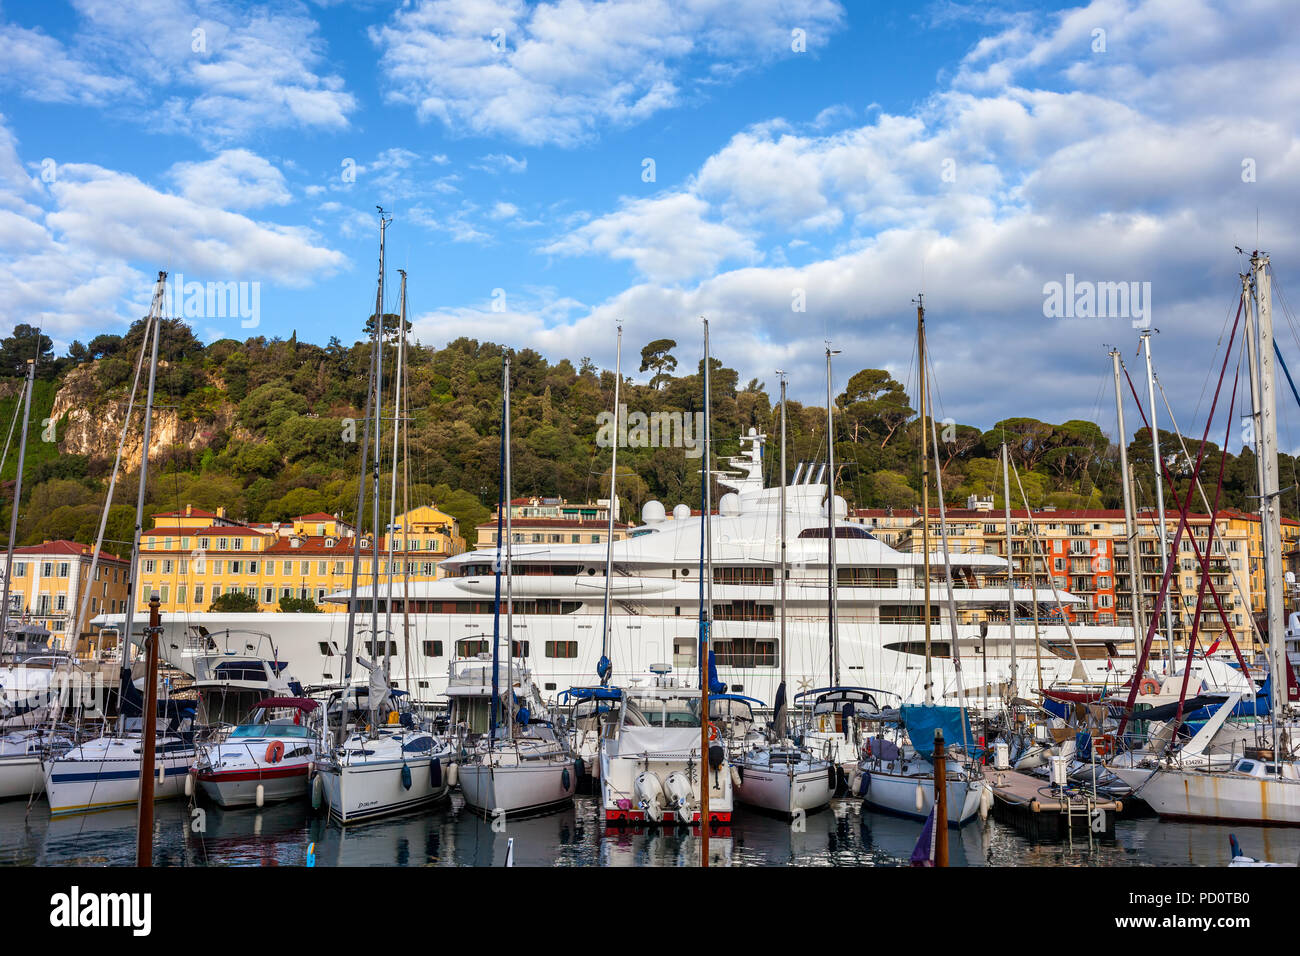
{"x": 272, "y": 730}
{"x": 664, "y": 711}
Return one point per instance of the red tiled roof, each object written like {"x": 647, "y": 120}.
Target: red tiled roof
{"x": 317, "y": 516}
{"x": 65, "y": 547}
{"x": 218, "y": 530}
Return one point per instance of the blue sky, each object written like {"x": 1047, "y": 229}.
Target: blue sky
{"x": 975, "y": 151}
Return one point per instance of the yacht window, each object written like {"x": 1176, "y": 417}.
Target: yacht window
{"x": 419, "y": 743}
{"x": 841, "y": 531}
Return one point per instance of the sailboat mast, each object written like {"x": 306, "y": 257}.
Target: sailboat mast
{"x": 832, "y": 571}
{"x": 392, "y": 492}
{"x": 781, "y": 507}
{"x": 1130, "y": 529}
{"x": 351, "y": 640}
{"x": 509, "y": 572}
{"x": 613, "y": 501}
{"x": 155, "y": 320}
{"x": 1160, "y": 501}
{"x": 378, "y": 426}
{"x": 18, "y": 490}
{"x": 706, "y": 613}
{"x": 1269, "y": 493}
{"x": 1011, "y": 570}
{"x": 925, "y": 491}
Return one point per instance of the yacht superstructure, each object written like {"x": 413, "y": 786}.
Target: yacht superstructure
{"x": 560, "y": 590}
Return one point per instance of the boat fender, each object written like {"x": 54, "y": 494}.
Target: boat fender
{"x": 275, "y": 751}
{"x": 316, "y": 787}
{"x": 737, "y": 776}
{"x": 435, "y": 773}
{"x": 986, "y": 802}
{"x": 162, "y": 774}
{"x": 920, "y": 798}
{"x": 831, "y": 777}
{"x": 716, "y": 755}
{"x": 189, "y": 781}
{"x": 453, "y": 774}
{"x": 565, "y": 779}
{"x": 864, "y": 783}
{"x": 406, "y": 777}
{"x": 260, "y": 795}
{"x": 579, "y": 767}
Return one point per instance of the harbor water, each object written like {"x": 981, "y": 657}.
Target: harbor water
{"x": 844, "y": 835}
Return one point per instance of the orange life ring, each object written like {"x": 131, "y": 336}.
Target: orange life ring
{"x": 713, "y": 731}
{"x": 275, "y": 751}
{"x": 1104, "y": 745}
{"x": 1149, "y": 686}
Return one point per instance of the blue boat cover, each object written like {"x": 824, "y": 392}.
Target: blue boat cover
{"x": 921, "y": 721}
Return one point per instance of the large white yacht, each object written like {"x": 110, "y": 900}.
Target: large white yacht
{"x": 559, "y": 593}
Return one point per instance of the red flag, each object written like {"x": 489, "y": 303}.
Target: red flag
{"x": 1212, "y": 648}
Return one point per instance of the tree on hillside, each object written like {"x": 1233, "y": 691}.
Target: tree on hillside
{"x": 27, "y": 342}
{"x": 657, "y": 357}
{"x": 874, "y": 406}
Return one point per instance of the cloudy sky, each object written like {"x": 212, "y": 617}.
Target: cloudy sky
{"x": 796, "y": 170}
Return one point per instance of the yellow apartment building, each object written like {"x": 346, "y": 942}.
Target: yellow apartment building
{"x": 190, "y": 566}
{"x": 50, "y": 579}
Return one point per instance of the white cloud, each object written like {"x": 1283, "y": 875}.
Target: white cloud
{"x": 501, "y": 162}
{"x": 82, "y": 254}
{"x": 554, "y": 72}
{"x": 504, "y": 210}
{"x": 234, "y": 179}
{"x": 1100, "y": 168}
{"x": 667, "y": 238}
{"x": 194, "y": 65}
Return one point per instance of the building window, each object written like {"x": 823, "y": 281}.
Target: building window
{"x": 268, "y": 596}
{"x": 235, "y": 566}
{"x": 63, "y": 569}
{"x": 149, "y": 569}
{"x": 180, "y": 594}
{"x": 20, "y": 569}
{"x": 198, "y": 594}
{"x": 745, "y": 652}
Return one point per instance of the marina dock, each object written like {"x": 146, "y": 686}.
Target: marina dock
{"x": 1040, "y": 811}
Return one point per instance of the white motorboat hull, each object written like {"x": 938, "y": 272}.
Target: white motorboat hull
{"x": 369, "y": 790}
{"x": 492, "y": 789}
{"x": 93, "y": 777}
{"x": 785, "y": 791}
{"x": 896, "y": 793}
{"x": 238, "y": 788}
{"x": 1230, "y": 797}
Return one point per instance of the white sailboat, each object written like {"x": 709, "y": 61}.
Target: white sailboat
{"x": 520, "y": 768}
{"x": 105, "y": 772}
{"x": 1263, "y": 785}
{"x": 776, "y": 774}
{"x": 394, "y": 764}
{"x": 898, "y": 776}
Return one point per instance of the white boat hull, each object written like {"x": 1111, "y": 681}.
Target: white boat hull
{"x": 897, "y": 793}
{"x": 239, "y": 788}
{"x": 86, "y": 779}
{"x": 367, "y": 791}
{"x": 21, "y": 776}
{"x": 1232, "y": 797}
{"x": 491, "y": 789}
{"x": 784, "y": 791}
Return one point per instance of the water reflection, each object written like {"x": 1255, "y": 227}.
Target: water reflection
{"x": 843, "y": 835}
